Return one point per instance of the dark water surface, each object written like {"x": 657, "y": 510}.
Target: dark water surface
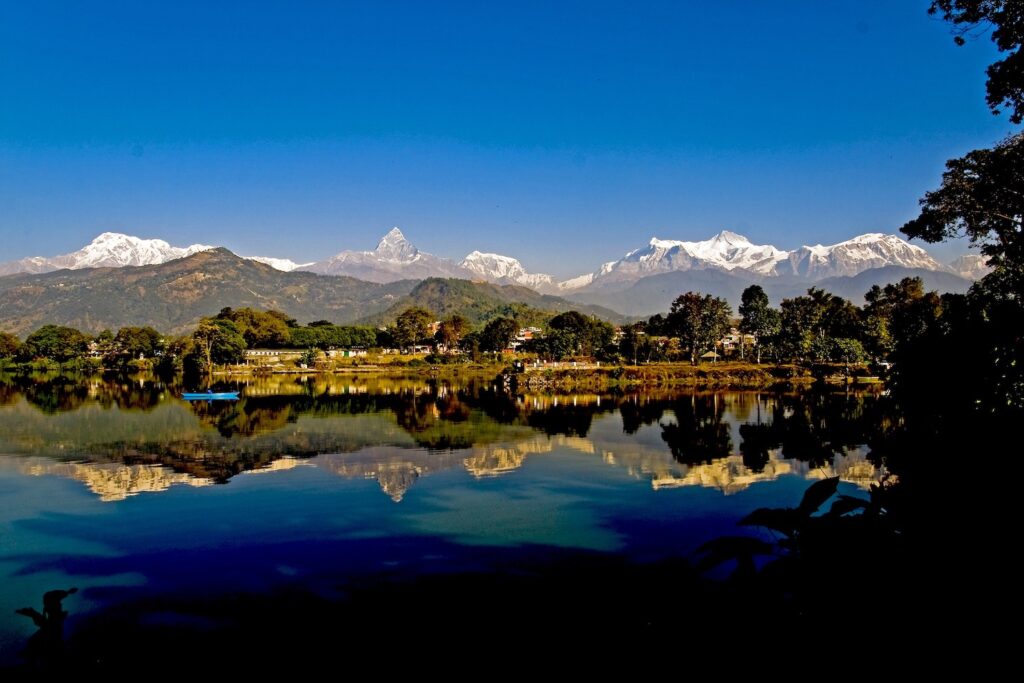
{"x": 128, "y": 493}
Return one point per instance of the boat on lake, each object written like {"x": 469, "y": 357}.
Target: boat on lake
{"x": 211, "y": 396}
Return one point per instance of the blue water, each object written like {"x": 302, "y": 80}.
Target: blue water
{"x": 316, "y": 485}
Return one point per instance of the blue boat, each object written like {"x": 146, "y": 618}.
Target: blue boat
{"x": 212, "y": 396}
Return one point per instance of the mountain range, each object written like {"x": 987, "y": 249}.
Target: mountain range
{"x": 174, "y": 295}
{"x": 395, "y": 258}
{"x": 116, "y": 250}
{"x": 642, "y": 282}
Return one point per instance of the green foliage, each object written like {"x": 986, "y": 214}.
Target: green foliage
{"x": 698, "y": 321}
{"x": 849, "y": 351}
{"x": 56, "y": 343}
{"x": 1006, "y": 19}
{"x": 325, "y": 335}
{"x": 982, "y": 198}
{"x": 574, "y": 334}
{"x": 758, "y": 318}
{"x": 412, "y": 326}
{"x": 173, "y": 297}
{"x": 636, "y": 345}
{"x": 135, "y": 342}
{"x": 309, "y": 357}
{"x": 10, "y": 346}
{"x": 259, "y": 329}
{"x": 481, "y": 302}
{"x": 215, "y": 342}
{"x": 498, "y": 334}
{"x": 453, "y": 328}
{"x": 809, "y": 323}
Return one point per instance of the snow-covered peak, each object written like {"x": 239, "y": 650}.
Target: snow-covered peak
{"x": 395, "y": 258}
{"x": 114, "y": 249}
{"x": 971, "y": 266}
{"x": 287, "y": 265}
{"x": 117, "y": 250}
{"x": 505, "y": 270}
{"x": 731, "y": 251}
{"x": 855, "y": 255}
{"x": 394, "y": 247}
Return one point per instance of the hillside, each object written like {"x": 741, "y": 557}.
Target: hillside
{"x": 480, "y": 301}
{"x": 654, "y": 294}
{"x": 172, "y": 296}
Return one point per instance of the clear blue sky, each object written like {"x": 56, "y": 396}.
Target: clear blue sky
{"x": 562, "y": 133}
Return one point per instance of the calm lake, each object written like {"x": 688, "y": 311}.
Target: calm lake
{"x": 129, "y": 493}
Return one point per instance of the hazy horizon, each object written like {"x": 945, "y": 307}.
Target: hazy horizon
{"x": 563, "y": 136}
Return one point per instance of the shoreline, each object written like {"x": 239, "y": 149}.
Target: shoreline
{"x": 724, "y": 374}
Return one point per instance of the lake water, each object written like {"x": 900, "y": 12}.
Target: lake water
{"x": 127, "y": 492}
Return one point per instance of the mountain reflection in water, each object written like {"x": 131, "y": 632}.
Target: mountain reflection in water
{"x": 125, "y": 438}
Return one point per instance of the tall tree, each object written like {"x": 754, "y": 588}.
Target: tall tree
{"x": 452, "y": 330}
{"x": 61, "y": 344}
{"x": 698, "y": 321}
{"x": 9, "y": 346}
{"x": 1005, "y": 20}
{"x": 982, "y": 197}
{"x": 259, "y": 328}
{"x": 758, "y": 318}
{"x": 498, "y": 334}
{"x": 136, "y": 342}
{"x": 217, "y": 342}
{"x": 412, "y": 326}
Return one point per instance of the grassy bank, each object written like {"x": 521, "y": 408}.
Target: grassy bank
{"x": 735, "y": 375}
{"x": 568, "y": 376}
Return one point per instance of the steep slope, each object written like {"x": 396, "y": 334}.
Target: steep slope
{"x": 108, "y": 250}
{"x": 655, "y": 294}
{"x": 395, "y": 258}
{"x": 505, "y": 270}
{"x": 873, "y": 250}
{"x": 172, "y": 296}
{"x": 725, "y": 251}
{"x": 116, "y": 250}
{"x": 970, "y": 266}
{"x": 854, "y": 287}
{"x": 733, "y": 253}
{"x": 479, "y": 301}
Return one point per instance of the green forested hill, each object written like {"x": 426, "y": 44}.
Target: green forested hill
{"x": 173, "y": 296}
{"x": 481, "y": 301}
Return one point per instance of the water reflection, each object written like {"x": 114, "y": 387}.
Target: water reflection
{"x": 125, "y": 438}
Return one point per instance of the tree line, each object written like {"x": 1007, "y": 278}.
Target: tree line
{"x": 818, "y": 327}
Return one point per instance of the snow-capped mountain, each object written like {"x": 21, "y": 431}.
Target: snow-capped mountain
{"x": 108, "y": 250}
{"x": 395, "y": 258}
{"x": 505, "y": 270}
{"x": 285, "y": 264}
{"x": 872, "y": 250}
{"x": 728, "y": 251}
{"x": 970, "y": 266}
{"x": 117, "y": 250}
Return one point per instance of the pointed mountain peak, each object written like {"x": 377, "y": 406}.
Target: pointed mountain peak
{"x": 395, "y": 234}
{"x": 393, "y": 246}
{"x": 730, "y": 237}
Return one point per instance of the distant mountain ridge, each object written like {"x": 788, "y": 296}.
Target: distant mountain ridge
{"x": 173, "y": 296}
{"x": 480, "y": 301}
{"x": 117, "y": 250}
{"x": 395, "y": 258}
{"x": 634, "y": 284}
{"x": 655, "y": 293}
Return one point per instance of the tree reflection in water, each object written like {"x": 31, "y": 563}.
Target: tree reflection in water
{"x": 141, "y": 423}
